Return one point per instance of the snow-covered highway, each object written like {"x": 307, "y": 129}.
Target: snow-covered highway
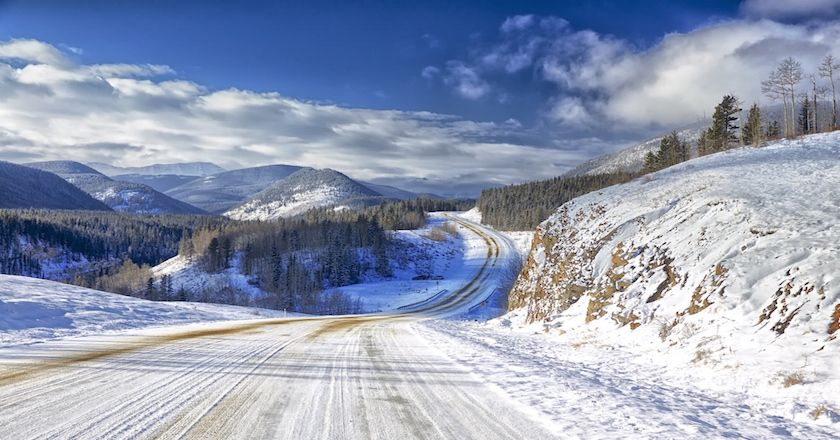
{"x": 367, "y": 376}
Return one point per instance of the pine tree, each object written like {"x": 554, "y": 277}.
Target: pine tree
{"x": 723, "y": 134}
{"x": 752, "y": 133}
{"x": 805, "y": 124}
{"x": 213, "y": 256}
{"x": 151, "y": 292}
{"x": 774, "y": 130}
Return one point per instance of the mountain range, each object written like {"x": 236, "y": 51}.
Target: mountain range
{"x": 181, "y": 169}
{"x": 264, "y": 192}
{"x": 118, "y": 195}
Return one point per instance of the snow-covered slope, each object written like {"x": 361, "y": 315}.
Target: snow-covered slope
{"x": 730, "y": 261}
{"x": 120, "y": 196}
{"x": 33, "y": 310}
{"x": 633, "y": 159}
{"x": 24, "y": 187}
{"x": 301, "y": 191}
{"x": 219, "y": 192}
{"x": 182, "y": 169}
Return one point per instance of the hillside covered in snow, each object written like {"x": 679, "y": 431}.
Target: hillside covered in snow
{"x": 632, "y": 159}
{"x": 118, "y": 195}
{"x": 301, "y": 191}
{"x": 33, "y": 310}
{"x": 728, "y": 262}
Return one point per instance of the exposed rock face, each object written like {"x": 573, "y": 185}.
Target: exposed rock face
{"x": 724, "y": 237}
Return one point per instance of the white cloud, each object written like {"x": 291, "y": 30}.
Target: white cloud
{"x": 465, "y": 80}
{"x": 791, "y": 9}
{"x": 31, "y": 51}
{"x": 571, "y": 111}
{"x": 126, "y": 114}
{"x": 134, "y": 70}
{"x": 517, "y": 23}
{"x": 430, "y": 72}
{"x": 674, "y": 82}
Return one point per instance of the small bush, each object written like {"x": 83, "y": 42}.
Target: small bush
{"x": 701, "y": 356}
{"x": 443, "y": 232}
{"x": 818, "y": 412}
{"x": 795, "y": 378}
{"x": 665, "y": 329}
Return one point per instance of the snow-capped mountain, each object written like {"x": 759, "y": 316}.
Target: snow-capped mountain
{"x": 219, "y": 192}
{"x": 632, "y": 159}
{"x": 303, "y": 190}
{"x": 181, "y": 169}
{"x": 120, "y": 196}
{"x": 25, "y": 187}
{"x": 730, "y": 261}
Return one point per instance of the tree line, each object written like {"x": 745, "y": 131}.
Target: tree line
{"x": 523, "y": 207}
{"x": 29, "y": 237}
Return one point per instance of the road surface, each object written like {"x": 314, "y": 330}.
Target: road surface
{"x": 349, "y": 377}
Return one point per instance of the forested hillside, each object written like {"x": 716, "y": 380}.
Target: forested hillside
{"x": 295, "y": 260}
{"x": 523, "y": 207}
{"x": 24, "y": 187}
{"x": 31, "y": 239}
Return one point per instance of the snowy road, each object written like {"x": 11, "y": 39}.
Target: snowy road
{"x": 348, "y": 377}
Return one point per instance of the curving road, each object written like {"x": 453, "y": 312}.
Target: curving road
{"x": 348, "y": 377}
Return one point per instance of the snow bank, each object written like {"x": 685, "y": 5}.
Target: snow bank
{"x": 726, "y": 264}
{"x": 34, "y": 310}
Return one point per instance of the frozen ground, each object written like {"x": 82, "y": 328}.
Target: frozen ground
{"x": 592, "y": 391}
{"x": 33, "y": 310}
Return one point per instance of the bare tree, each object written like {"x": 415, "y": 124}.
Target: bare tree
{"x": 789, "y": 74}
{"x": 819, "y": 92}
{"x": 827, "y": 69}
{"x": 775, "y": 89}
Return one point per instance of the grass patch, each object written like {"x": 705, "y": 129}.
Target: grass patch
{"x": 791, "y": 379}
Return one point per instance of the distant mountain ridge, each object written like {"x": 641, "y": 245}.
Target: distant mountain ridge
{"x": 118, "y": 195}
{"x": 25, "y": 187}
{"x": 161, "y": 182}
{"x": 181, "y": 169}
{"x": 219, "y": 192}
{"x": 305, "y": 189}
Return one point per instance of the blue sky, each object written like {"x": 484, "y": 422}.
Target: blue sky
{"x": 356, "y": 53}
{"x": 439, "y": 96}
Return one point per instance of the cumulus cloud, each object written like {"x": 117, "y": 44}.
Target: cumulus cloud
{"x": 31, "y": 51}
{"x": 791, "y": 9}
{"x": 678, "y": 80}
{"x": 51, "y": 108}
